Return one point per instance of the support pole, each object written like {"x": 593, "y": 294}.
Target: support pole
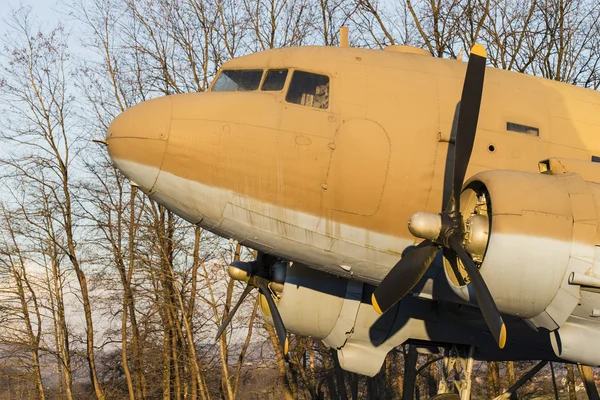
{"x": 410, "y": 373}
{"x": 427, "y": 364}
{"x": 587, "y": 376}
{"x": 513, "y": 389}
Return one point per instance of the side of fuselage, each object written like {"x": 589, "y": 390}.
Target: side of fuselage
{"x": 333, "y": 188}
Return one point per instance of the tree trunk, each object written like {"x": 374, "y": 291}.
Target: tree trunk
{"x": 63, "y": 334}
{"x": 493, "y": 379}
{"x": 554, "y": 387}
{"x": 166, "y": 378}
{"x": 339, "y": 376}
{"x": 289, "y": 390}
{"x": 16, "y": 265}
{"x": 63, "y": 353}
{"x": 587, "y": 376}
{"x": 510, "y": 369}
{"x": 571, "y": 382}
{"x": 432, "y": 376}
{"x": 398, "y": 360}
{"x": 124, "y": 359}
{"x": 129, "y": 303}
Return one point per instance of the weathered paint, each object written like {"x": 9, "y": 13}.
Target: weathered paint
{"x": 275, "y": 167}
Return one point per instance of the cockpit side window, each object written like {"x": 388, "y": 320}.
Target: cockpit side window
{"x": 309, "y": 89}
{"x": 238, "y": 80}
{"x": 275, "y": 79}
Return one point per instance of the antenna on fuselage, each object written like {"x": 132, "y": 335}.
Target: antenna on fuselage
{"x": 344, "y": 36}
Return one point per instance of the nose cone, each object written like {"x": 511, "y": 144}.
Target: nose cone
{"x": 137, "y": 140}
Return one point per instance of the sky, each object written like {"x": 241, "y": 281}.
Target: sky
{"x": 44, "y": 10}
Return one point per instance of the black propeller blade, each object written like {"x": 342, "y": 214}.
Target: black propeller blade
{"x": 482, "y": 294}
{"x": 468, "y": 115}
{"x": 411, "y": 268}
{"x": 229, "y": 317}
{"x": 404, "y": 276}
{"x": 263, "y": 286}
{"x": 277, "y": 321}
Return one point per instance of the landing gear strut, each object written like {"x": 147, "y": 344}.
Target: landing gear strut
{"x": 458, "y": 360}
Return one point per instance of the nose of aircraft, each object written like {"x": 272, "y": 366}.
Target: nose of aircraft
{"x": 137, "y": 140}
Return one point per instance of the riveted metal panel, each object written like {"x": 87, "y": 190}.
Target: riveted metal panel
{"x": 357, "y": 174}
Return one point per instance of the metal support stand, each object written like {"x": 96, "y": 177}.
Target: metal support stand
{"x": 587, "y": 376}
{"x": 513, "y": 389}
{"x": 410, "y": 373}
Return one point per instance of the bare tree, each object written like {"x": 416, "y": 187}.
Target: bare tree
{"x": 158, "y": 283}
{"x": 12, "y": 261}
{"x": 39, "y": 108}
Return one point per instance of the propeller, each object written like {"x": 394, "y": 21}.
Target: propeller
{"x": 262, "y": 284}
{"x": 445, "y": 230}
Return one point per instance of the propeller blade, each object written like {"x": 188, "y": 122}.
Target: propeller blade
{"x": 403, "y": 276}
{"x": 482, "y": 293}
{"x": 468, "y": 116}
{"x": 277, "y": 321}
{"x": 229, "y": 317}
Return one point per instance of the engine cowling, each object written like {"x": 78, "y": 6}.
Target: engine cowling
{"x": 529, "y": 232}
{"x": 337, "y": 311}
{"x": 321, "y": 296}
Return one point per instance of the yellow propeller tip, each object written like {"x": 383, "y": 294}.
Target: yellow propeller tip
{"x": 502, "y": 338}
{"x": 479, "y": 50}
{"x": 375, "y": 305}
{"x": 285, "y": 347}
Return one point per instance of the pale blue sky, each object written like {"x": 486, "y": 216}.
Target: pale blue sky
{"x": 47, "y": 14}
{"x": 44, "y": 10}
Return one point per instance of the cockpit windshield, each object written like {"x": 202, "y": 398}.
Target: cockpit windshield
{"x": 233, "y": 80}
{"x": 275, "y": 80}
{"x": 309, "y": 90}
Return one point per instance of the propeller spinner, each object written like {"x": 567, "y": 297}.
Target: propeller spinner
{"x": 446, "y": 229}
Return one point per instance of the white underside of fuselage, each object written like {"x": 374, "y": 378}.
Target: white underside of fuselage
{"x": 296, "y": 236}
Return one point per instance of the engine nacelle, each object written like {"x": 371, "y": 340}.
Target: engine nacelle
{"x": 311, "y": 301}
{"x": 530, "y": 232}
{"x": 338, "y": 312}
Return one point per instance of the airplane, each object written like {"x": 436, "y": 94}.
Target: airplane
{"x": 316, "y": 157}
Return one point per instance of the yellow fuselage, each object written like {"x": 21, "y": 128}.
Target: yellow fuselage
{"x": 334, "y": 187}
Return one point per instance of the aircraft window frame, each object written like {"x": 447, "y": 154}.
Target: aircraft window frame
{"x": 223, "y": 71}
{"x": 288, "y": 86}
{"x": 283, "y": 84}
{"x": 595, "y": 159}
{"x": 523, "y": 129}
